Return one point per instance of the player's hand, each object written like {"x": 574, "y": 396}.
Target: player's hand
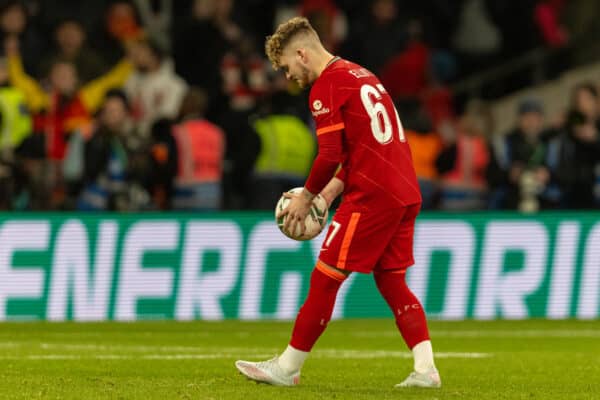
{"x": 295, "y": 213}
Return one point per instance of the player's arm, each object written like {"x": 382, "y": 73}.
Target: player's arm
{"x": 334, "y": 188}
{"x": 322, "y": 171}
{"x": 325, "y": 101}
{"x": 327, "y": 161}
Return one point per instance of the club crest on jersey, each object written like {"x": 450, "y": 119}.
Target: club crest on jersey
{"x": 318, "y": 108}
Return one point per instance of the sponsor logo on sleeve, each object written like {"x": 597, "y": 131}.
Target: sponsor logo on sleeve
{"x": 360, "y": 72}
{"x": 318, "y": 108}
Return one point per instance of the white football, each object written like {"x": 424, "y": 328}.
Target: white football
{"x": 315, "y": 220}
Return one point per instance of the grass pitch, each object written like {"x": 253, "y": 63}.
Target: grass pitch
{"x": 356, "y": 359}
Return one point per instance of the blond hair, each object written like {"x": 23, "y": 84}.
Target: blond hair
{"x": 285, "y": 32}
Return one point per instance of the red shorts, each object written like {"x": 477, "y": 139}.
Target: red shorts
{"x": 366, "y": 241}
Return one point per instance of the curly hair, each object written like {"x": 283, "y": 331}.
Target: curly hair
{"x": 285, "y": 32}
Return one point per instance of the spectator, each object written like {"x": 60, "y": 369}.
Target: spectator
{"x": 15, "y": 120}
{"x": 372, "y": 42}
{"x": 288, "y": 98}
{"x": 224, "y": 20}
{"x": 405, "y": 74}
{"x": 425, "y": 146}
{"x": 286, "y": 148}
{"x": 47, "y": 15}
{"x": 243, "y": 142}
{"x": 245, "y": 80}
{"x": 327, "y": 19}
{"x": 66, "y": 105}
{"x": 418, "y": 48}
{"x": 154, "y": 88}
{"x": 201, "y": 149}
{"x": 64, "y": 108}
{"x": 577, "y": 166}
{"x": 164, "y": 163}
{"x": 203, "y": 72}
{"x": 437, "y": 97}
{"x": 15, "y": 126}
{"x": 70, "y": 38}
{"x": 244, "y": 72}
{"x": 115, "y": 164}
{"x": 584, "y": 98}
{"x": 518, "y": 175}
{"x": 438, "y": 102}
{"x": 464, "y": 160}
{"x": 14, "y": 25}
{"x": 121, "y": 25}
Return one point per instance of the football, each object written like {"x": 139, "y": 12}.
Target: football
{"x": 315, "y": 220}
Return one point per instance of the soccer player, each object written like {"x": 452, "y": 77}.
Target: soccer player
{"x": 372, "y": 230}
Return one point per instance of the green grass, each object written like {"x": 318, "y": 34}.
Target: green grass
{"x": 357, "y": 359}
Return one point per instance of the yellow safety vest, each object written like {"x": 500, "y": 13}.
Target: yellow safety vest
{"x": 16, "y": 121}
{"x": 287, "y": 146}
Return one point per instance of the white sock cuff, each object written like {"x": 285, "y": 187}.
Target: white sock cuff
{"x": 423, "y": 355}
{"x": 291, "y": 360}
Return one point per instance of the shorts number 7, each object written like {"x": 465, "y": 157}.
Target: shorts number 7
{"x": 334, "y": 231}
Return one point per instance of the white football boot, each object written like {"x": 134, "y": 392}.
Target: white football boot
{"x": 430, "y": 379}
{"x": 267, "y": 372}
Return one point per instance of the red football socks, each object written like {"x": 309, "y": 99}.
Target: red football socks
{"x": 316, "y": 312}
{"x": 409, "y": 314}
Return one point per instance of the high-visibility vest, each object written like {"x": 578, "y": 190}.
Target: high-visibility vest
{"x": 201, "y": 148}
{"x": 287, "y": 146}
{"x": 16, "y": 121}
{"x": 425, "y": 149}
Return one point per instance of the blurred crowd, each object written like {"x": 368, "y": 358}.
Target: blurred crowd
{"x": 542, "y": 163}
{"x": 134, "y": 105}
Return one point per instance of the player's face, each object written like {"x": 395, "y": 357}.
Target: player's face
{"x": 293, "y": 64}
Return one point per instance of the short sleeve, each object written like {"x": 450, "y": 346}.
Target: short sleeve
{"x": 326, "y": 100}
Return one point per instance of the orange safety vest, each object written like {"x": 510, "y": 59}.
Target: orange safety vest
{"x": 425, "y": 150}
{"x": 201, "y": 147}
{"x": 472, "y": 159}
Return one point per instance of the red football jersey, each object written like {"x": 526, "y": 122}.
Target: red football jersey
{"x": 348, "y": 100}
